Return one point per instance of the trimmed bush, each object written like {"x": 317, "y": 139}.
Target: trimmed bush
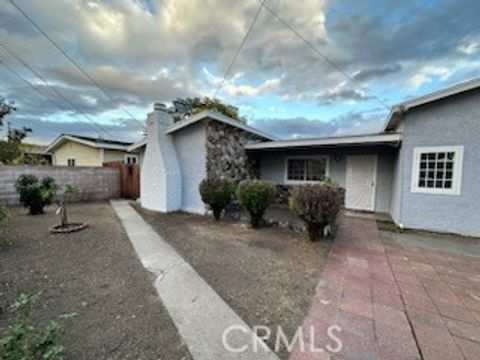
{"x": 35, "y": 194}
{"x": 217, "y": 193}
{"x": 317, "y": 205}
{"x": 255, "y": 196}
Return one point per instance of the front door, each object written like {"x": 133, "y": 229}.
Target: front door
{"x": 360, "y": 182}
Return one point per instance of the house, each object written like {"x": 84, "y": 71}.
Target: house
{"x": 179, "y": 155}
{"x": 75, "y": 150}
{"x": 36, "y": 155}
{"x": 422, "y": 168}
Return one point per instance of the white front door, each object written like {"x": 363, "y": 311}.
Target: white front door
{"x": 360, "y": 182}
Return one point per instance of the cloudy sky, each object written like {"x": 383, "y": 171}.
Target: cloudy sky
{"x": 141, "y": 51}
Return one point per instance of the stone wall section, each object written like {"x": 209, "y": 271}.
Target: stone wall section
{"x": 226, "y": 155}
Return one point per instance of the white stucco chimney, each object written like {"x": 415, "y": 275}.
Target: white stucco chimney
{"x": 160, "y": 177}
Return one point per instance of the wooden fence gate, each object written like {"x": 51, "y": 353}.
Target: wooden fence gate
{"x": 130, "y": 179}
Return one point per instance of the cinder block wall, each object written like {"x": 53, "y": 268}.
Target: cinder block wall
{"x": 94, "y": 183}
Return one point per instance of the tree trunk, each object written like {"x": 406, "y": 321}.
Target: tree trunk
{"x": 216, "y": 213}
{"x": 63, "y": 213}
{"x": 256, "y": 220}
{"x": 312, "y": 231}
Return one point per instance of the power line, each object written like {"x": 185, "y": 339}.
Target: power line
{"x": 76, "y": 64}
{"x": 239, "y": 48}
{"x": 323, "y": 56}
{"x": 58, "y": 93}
{"x": 36, "y": 90}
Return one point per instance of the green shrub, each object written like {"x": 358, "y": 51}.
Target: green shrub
{"x": 217, "y": 193}
{"x": 24, "y": 340}
{"x": 255, "y": 196}
{"x": 35, "y": 194}
{"x": 4, "y": 241}
{"x": 317, "y": 205}
{"x": 3, "y": 213}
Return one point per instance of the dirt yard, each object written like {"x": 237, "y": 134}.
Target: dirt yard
{"x": 94, "y": 273}
{"x": 268, "y": 276}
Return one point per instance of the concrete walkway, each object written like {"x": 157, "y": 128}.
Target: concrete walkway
{"x": 198, "y": 312}
{"x": 395, "y": 302}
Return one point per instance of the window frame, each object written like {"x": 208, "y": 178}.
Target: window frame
{"x": 130, "y": 156}
{"x": 457, "y": 169}
{"x": 74, "y": 162}
{"x": 305, "y": 157}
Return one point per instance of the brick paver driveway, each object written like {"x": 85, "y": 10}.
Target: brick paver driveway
{"x": 394, "y": 302}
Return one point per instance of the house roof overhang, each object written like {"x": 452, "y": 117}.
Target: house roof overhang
{"x": 213, "y": 115}
{"x": 137, "y": 145}
{"x": 98, "y": 145}
{"x": 390, "y": 139}
{"x": 396, "y": 114}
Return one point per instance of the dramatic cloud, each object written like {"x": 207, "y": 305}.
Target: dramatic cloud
{"x": 342, "y": 96}
{"x": 143, "y": 51}
{"x": 362, "y": 122}
{"x": 46, "y": 130}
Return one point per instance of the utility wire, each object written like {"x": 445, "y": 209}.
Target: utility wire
{"x": 55, "y": 103}
{"x": 227, "y": 72}
{"x": 323, "y": 56}
{"x": 15, "y": 73}
{"x": 33, "y": 87}
{"x": 76, "y": 64}
{"x": 58, "y": 93}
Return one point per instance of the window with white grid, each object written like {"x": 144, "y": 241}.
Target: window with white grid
{"x": 306, "y": 169}
{"x": 437, "y": 170}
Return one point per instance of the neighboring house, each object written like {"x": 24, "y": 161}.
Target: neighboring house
{"x": 74, "y": 150}
{"x": 36, "y": 155}
{"x": 422, "y": 168}
{"x": 138, "y": 149}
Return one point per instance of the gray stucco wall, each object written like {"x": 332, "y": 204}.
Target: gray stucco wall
{"x": 190, "y": 147}
{"x": 454, "y": 121}
{"x": 272, "y": 167}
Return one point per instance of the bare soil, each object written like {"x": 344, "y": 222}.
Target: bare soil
{"x": 268, "y": 275}
{"x": 94, "y": 273}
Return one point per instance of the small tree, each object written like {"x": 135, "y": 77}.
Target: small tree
{"x": 24, "y": 340}
{"x": 6, "y": 107}
{"x": 255, "y": 196}
{"x": 35, "y": 194}
{"x": 317, "y": 205}
{"x": 217, "y": 193}
{"x": 68, "y": 194}
{"x": 190, "y": 106}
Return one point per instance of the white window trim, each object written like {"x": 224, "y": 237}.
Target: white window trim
{"x": 286, "y": 181}
{"x": 131, "y": 156}
{"x": 457, "y": 170}
{"x": 72, "y": 158}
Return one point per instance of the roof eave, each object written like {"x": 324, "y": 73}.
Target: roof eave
{"x": 221, "y": 118}
{"x": 62, "y": 138}
{"x": 428, "y": 98}
{"x": 137, "y": 145}
{"x": 381, "y": 139}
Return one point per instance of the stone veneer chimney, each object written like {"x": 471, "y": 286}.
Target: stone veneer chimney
{"x": 160, "y": 178}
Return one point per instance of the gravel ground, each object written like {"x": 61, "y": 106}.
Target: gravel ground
{"x": 268, "y": 276}
{"x": 94, "y": 273}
